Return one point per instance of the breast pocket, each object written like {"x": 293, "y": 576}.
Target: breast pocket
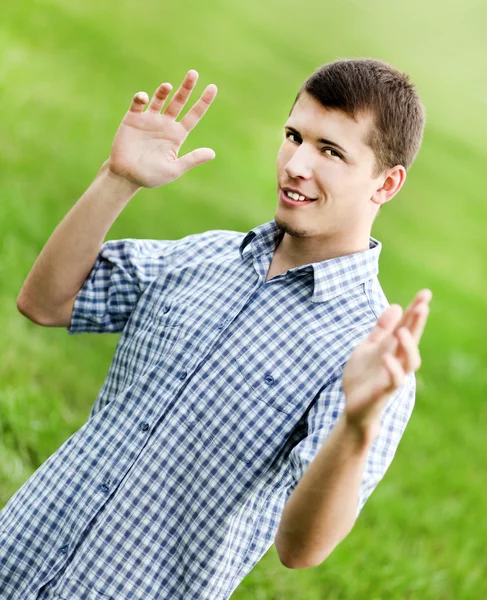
{"x": 250, "y": 409}
{"x": 285, "y": 382}
{"x": 151, "y": 335}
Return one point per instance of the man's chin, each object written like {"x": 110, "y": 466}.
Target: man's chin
{"x": 291, "y": 229}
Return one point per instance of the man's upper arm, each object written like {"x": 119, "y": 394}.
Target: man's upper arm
{"x": 323, "y": 416}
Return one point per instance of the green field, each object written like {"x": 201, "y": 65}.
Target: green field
{"x": 68, "y": 70}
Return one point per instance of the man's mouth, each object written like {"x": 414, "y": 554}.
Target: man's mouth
{"x": 292, "y": 197}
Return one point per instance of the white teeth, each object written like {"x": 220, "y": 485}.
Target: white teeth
{"x": 295, "y": 196}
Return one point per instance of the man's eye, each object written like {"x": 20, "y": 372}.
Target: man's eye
{"x": 332, "y": 152}
{"x": 292, "y": 137}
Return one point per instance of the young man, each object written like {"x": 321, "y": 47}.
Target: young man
{"x": 234, "y": 413}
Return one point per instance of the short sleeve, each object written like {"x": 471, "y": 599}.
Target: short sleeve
{"x": 122, "y": 271}
{"x": 322, "y": 418}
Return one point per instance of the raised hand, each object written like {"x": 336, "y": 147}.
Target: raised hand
{"x": 146, "y": 145}
{"x": 379, "y": 364}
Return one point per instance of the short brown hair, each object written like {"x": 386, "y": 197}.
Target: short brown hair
{"x": 364, "y": 85}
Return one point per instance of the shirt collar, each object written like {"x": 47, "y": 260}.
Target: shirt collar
{"x": 331, "y": 277}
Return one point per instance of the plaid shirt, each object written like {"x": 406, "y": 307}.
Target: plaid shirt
{"x": 222, "y": 389}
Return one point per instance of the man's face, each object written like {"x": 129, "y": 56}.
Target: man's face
{"x": 324, "y": 156}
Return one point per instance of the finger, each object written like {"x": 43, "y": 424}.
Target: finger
{"x": 395, "y": 371}
{"x": 415, "y": 325}
{"x": 412, "y": 318}
{"x": 195, "y": 158}
{"x": 386, "y": 324}
{"x": 423, "y": 297}
{"x": 194, "y": 115}
{"x": 417, "y": 328}
{"x": 160, "y": 97}
{"x": 410, "y": 358}
{"x": 181, "y": 96}
{"x": 138, "y": 102}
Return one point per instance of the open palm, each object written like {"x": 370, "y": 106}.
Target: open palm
{"x": 378, "y": 365}
{"x": 146, "y": 146}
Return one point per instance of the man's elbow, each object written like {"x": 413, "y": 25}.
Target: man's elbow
{"x": 61, "y": 318}
{"x": 302, "y": 562}
{"x": 297, "y": 557}
{"x": 24, "y": 308}
{"x": 302, "y": 559}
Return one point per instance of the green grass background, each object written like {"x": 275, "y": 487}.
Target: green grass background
{"x": 68, "y": 69}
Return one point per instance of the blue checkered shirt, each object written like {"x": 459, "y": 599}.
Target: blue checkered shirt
{"x": 222, "y": 389}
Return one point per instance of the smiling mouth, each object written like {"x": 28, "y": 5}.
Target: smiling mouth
{"x": 291, "y": 198}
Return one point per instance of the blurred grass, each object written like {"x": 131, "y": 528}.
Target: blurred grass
{"x": 67, "y": 73}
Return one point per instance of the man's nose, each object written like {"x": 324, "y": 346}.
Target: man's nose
{"x": 300, "y": 164}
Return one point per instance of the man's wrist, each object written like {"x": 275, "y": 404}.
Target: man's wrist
{"x": 360, "y": 434}
{"x": 123, "y": 186}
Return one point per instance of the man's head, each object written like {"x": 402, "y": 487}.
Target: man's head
{"x": 367, "y": 85}
{"x": 354, "y": 129}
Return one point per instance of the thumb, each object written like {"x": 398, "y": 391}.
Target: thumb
{"x": 195, "y": 158}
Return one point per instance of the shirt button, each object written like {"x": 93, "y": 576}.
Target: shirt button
{"x": 183, "y": 375}
{"x": 144, "y": 426}
{"x": 221, "y": 325}
{"x": 63, "y": 549}
{"x": 269, "y": 379}
{"x": 104, "y": 488}
{"x": 166, "y": 308}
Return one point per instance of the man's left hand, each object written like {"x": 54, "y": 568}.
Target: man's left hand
{"x": 378, "y": 366}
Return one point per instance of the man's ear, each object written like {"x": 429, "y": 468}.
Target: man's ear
{"x": 390, "y": 183}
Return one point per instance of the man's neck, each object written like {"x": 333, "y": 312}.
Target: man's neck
{"x": 295, "y": 252}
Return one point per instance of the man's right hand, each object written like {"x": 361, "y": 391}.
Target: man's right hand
{"x": 146, "y": 145}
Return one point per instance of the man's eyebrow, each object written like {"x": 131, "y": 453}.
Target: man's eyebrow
{"x": 320, "y": 140}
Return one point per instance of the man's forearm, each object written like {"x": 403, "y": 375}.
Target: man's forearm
{"x": 321, "y": 510}
{"x": 69, "y": 254}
